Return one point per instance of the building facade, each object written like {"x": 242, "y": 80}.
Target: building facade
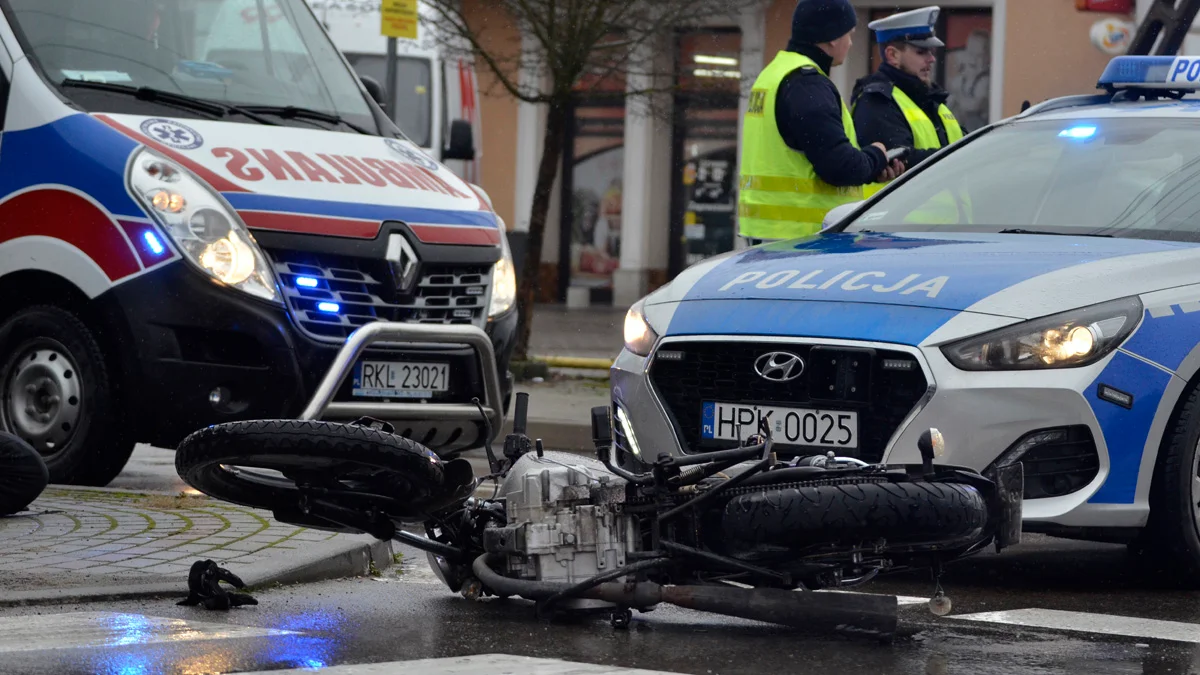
{"x": 639, "y": 198}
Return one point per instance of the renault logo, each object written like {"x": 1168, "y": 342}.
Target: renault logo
{"x": 403, "y": 262}
{"x": 779, "y": 366}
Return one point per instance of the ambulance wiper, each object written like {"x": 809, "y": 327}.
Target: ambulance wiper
{"x": 214, "y": 108}
{"x": 1017, "y": 230}
{"x": 289, "y": 112}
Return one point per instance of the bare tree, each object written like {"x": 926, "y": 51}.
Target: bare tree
{"x": 578, "y": 46}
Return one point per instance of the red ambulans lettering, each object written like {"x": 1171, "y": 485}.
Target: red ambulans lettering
{"x": 343, "y": 175}
{"x": 362, "y": 170}
{"x": 310, "y": 168}
{"x": 336, "y": 169}
{"x": 237, "y": 164}
{"x": 277, "y": 165}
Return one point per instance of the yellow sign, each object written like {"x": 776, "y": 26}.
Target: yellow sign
{"x": 399, "y": 18}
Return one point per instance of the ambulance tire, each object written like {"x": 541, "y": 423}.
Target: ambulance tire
{"x": 1171, "y": 539}
{"x": 88, "y": 417}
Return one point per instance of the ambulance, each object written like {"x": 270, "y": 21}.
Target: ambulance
{"x": 437, "y": 93}
{"x": 200, "y": 202}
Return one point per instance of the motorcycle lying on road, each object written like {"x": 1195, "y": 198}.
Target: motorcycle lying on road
{"x": 736, "y": 532}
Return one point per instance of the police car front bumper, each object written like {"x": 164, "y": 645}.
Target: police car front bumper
{"x": 1046, "y": 420}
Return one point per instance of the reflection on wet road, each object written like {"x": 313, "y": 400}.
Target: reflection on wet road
{"x": 407, "y": 616}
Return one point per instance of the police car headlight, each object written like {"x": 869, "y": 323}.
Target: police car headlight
{"x": 202, "y": 226}
{"x": 1076, "y": 338}
{"x": 504, "y": 280}
{"x": 639, "y": 336}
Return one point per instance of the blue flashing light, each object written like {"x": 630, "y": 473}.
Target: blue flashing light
{"x": 152, "y": 241}
{"x": 330, "y": 307}
{"x": 1152, "y": 72}
{"x": 1078, "y": 132}
{"x": 307, "y": 282}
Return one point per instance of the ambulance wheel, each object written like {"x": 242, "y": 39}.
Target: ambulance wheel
{"x": 1171, "y": 538}
{"x": 58, "y": 395}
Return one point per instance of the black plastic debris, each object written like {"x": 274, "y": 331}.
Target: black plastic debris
{"x": 204, "y": 587}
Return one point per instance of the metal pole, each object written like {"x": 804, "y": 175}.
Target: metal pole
{"x": 390, "y": 86}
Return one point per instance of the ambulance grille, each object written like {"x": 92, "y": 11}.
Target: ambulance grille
{"x": 881, "y": 386}
{"x": 331, "y": 296}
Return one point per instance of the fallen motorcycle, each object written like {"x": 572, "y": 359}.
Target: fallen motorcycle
{"x": 735, "y": 532}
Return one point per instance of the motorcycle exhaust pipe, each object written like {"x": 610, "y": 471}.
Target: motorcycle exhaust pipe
{"x": 860, "y": 615}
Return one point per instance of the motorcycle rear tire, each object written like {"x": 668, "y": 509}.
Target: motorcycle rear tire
{"x": 203, "y": 457}
{"x": 900, "y": 513}
{"x": 23, "y": 474}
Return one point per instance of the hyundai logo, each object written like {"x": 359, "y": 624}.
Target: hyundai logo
{"x": 779, "y": 366}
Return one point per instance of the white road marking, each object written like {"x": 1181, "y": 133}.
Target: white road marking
{"x": 111, "y": 629}
{"x": 482, "y": 664}
{"x": 902, "y": 600}
{"x": 1084, "y": 622}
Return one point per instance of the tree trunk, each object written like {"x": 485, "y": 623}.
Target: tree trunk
{"x": 552, "y": 146}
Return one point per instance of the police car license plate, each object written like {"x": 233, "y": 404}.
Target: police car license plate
{"x": 398, "y": 379}
{"x": 789, "y": 426}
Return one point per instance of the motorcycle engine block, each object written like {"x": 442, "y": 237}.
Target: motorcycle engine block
{"x": 565, "y": 520}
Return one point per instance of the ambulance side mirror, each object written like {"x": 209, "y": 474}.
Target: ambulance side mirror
{"x": 837, "y": 214}
{"x": 374, "y": 89}
{"x": 462, "y": 142}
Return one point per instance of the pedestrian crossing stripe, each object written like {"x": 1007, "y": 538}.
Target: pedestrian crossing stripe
{"x": 1093, "y": 624}
{"x": 76, "y": 630}
{"x": 480, "y": 664}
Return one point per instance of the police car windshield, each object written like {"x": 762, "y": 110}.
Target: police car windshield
{"x": 247, "y": 52}
{"x": 1134, "y": 177}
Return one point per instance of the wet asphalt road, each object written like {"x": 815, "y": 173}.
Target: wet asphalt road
{"x": 407, "y": 616}
{"x": 410, "y": 616}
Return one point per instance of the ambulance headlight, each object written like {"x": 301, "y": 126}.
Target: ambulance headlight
{"x": 504, "y": 280}
{"x": 202, "y": 227}
{"x": 1079, "y": 337}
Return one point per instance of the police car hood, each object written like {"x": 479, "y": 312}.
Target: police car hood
{"x": 902, "y": 287}
{"x": 317, "y": 181}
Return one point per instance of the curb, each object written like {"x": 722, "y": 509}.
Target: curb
{"x": 577, "y": 362}
{"x": 351, "y": 556}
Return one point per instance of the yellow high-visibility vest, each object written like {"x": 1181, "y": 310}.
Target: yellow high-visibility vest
{"x": 780, "y": 195}
{"x": 925, "y": 135}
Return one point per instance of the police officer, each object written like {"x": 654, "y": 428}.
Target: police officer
{"x": 800, "y": 156}
{"x": 900, "y": 105}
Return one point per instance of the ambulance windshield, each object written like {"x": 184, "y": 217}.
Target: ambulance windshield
{"x": 246, "y": 52}
{"x": 1126, "y": 176}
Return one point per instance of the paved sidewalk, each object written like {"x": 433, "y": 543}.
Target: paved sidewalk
{"x": 85, "y": 542}
{"x": 595, "y": 332}
{"x": 560, "y": 411}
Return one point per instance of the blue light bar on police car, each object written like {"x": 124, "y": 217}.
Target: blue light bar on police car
{"x": 1152, "y": 72}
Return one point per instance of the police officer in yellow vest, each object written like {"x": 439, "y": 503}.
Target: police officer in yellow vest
{"x": 800, "y": 156}
{"x": 900, "y": 105}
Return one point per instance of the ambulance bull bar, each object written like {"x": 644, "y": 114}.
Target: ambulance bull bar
{"x": 394, "y": 333}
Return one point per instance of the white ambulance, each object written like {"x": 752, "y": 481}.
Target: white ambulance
{"x": 199, "y": 203}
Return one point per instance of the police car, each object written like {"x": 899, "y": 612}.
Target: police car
{"x": 1032, "y": 291}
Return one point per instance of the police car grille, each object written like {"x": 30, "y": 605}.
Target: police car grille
{"x": 363, "y": 291}
{"x": 882, "y": 386}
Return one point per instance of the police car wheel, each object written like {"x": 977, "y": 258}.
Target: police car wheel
{"x": 1172, "y": 536}
{"x": 57, "y": 394}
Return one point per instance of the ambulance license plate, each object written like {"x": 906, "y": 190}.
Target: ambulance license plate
{"x": 789, "y": 426}
{"x": 400, "y": 379}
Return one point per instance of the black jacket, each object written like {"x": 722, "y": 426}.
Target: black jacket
{"x": 809, "y": 115}
{"x": 877, "y": 118}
